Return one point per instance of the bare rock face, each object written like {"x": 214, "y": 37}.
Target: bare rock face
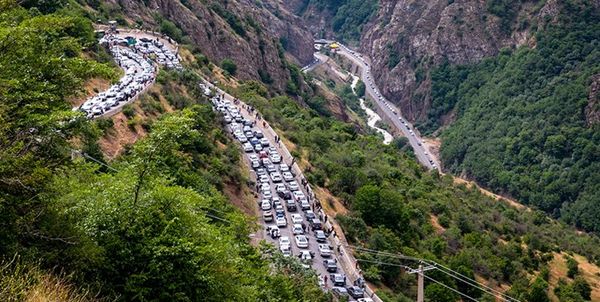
{"x": 253, "y": 45}
{"x": 408, "y": 37}
{"x": 592, "y": 110}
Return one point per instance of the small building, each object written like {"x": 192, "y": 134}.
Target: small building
{"x": 112, "y": 25}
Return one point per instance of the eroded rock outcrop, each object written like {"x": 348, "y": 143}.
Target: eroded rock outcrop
{"x": 248, "y": 32}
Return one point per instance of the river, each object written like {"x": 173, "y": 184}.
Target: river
{"x": 372, "y": 116}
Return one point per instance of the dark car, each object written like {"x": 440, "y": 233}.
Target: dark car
{"x": 356, "y": 292}
{"x": 339, "y": 292}
{"x": 331, "y": 266}
{"x": 316, "y": 224}
{"x": 320, "y": 235}
{"x": 291, "y": 207}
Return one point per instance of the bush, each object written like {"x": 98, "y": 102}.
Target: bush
{"x": 572, "y": 267}
{"x": 170, "y": 29}
{"x": 229, "y": 66}
{"x": 104, "y": 124}
{"x": 128, "y": 111}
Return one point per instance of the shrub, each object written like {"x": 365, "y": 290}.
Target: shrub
{"x": 229, "y": 66}
{"x": 128, "y": 111}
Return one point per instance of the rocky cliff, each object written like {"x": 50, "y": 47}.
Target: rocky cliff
{"x": 248, "y": 32}
{"x": 406, "y": 38}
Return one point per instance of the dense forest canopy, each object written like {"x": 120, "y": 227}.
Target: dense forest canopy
{"x": 521, "y": 127}
{"x": 348, "y": 16}
{"x": 393, "y": 202}
{"x": 152, "y": 224}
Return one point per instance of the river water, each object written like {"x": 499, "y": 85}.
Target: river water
{"x": 372, "y": 116}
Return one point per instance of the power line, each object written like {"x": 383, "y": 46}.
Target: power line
{"x": 366, "y": 250}
{"x": 450, "y": 288}
{"x": 95, "y": 160}
{"x": 444, "y": 270}
{"x": 475, "y": 284}
{"x": 430, "y": 278}
{"x": 217, "y": 217}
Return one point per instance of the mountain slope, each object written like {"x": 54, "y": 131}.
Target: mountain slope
{"x": 521, "y": 125}
{"x": 247, "y": 32}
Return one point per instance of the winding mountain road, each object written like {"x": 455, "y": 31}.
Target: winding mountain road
{"x": 391, "y": 113}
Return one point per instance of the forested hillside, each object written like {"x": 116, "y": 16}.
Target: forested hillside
{"x": 521, "y": 127}
{"x": 150, "y": 225}
{"x": 343, "y": 19}
{"x": 397, "y": 207}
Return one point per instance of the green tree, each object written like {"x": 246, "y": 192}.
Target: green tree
{"x": 581, "y": 286}
{"x": 572, "y": 267}
{"x": 437, "y": 293}
{"x": 538, "y": 291}
{"x": 229, "y": 66}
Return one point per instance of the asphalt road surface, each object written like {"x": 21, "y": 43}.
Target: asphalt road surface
{"x": 261, "y": 125}
{"x": 392, "y": 113}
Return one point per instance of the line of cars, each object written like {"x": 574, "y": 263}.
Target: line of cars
{"x": 164, "y": 55}
{"x": 286, "y": 210}
{"x": 386, "y": 103}
{"x": 140, "y": 72}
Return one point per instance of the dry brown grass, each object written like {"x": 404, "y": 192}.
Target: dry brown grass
{"x": 26, "y": 282}
{"x": 589, "y": 271}
{"x": 99, "y": 84}
{"x": 439, "y": 229}
{"x": 509, "y": 201}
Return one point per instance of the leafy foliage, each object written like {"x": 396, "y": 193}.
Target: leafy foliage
{"x": 392, "y": 201}
{"x": 229, "y": 66}
{"x": 349, "y": 16}
{"x": 151, "y": 226}
{"x": 41, "y": 65}
{"x": 520, "y": 126}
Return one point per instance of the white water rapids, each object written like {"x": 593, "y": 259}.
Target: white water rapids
{"x": 372, "y": 116}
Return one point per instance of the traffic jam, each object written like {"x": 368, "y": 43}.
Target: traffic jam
{"x": 287, "y": 211}
{"x": 135, "y": 58}
{"x": 387, "y": 104}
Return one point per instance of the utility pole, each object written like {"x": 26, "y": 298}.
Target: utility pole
{"x": 420, "y": 284}
{"x": 420, "y": 280}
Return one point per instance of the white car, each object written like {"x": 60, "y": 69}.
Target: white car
{"x": 297, "y": 219}
{"x": 253, "y": 157}
{"x": 301, "y": 241}
{"x": 248, "y": 147}
{"x": 280, "y": 188}
{"x": 324, "y": 250}
{"x": 287, "y": 176}
{"x": 264, "y": 142}
{"x": 284, "y": 240}
{"x": 276, "y": 177}
{"x": 293, "y": 186}
{"x": 267, "y": 194}
{"x": 297, "y": 229}
{"x": 275, "y": 158}
{"x": 265, "y": 205}
{"x": 284, "y": 168}
{"x": 264, "y": 178}
{"x": 281, "y": 222}
{"x": 299, "y": 195}
{"x": 285, "y": 249}
{"x": 304, "y": 205}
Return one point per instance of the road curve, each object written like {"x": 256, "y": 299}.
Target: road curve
{"x": 391, "y": 112}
